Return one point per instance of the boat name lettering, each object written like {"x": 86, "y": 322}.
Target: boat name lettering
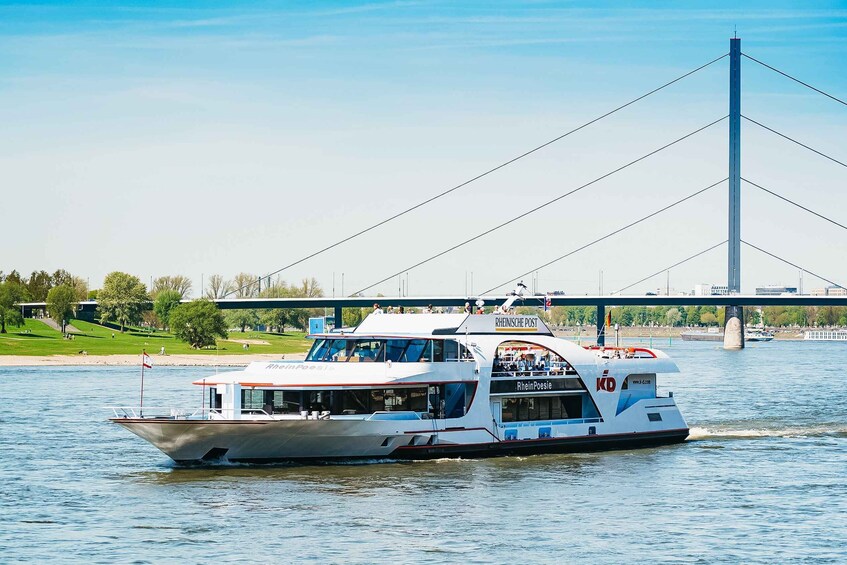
{"x": 298, "y": 367}
{"x": 516, "y": 322}
{"x": 533, "y": 385}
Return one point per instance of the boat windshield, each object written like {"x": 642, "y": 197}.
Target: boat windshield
{"x": 364, "y": 350}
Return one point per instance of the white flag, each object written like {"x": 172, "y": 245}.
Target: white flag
{"x": 146, "y": 361}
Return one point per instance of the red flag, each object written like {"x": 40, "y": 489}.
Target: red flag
{"x": 146, "y": 362}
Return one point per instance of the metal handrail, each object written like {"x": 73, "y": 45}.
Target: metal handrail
{"x": 547, "y": 372}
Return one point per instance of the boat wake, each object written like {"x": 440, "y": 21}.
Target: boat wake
{"x": 726, "y": 432}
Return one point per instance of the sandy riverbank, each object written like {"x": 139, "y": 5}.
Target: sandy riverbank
{"x": 128, "y": 360}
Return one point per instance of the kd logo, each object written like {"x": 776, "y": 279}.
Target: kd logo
{"x": 607, "y": 384}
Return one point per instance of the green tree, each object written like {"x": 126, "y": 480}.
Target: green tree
{"x": 164, "y": 304}
{"x": 177, "y": 283}
{"x": 673, "y": 317}
{"x": 60, "y": 304}
{"x": 61, "y": 277}
{"x": 692, "y": 316}
{"x": 275, "y": 319}
{"x": 218, "y": 287}
{"x": 122, "y": 299}
{"x": 708, "y": 318}
{"x": 11, "y": 292}
{"x": 38, "y": 285}
{"x": 242, "y": 319}
{"x": 80, "y": 286}
{"x": 198, "y": 323}
{"x": 245, "y": 285}
{"x": 14, "y": 277}
{"x": 352, "y": 316}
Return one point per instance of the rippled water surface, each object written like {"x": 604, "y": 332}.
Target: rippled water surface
{"x": 762, "y": 479}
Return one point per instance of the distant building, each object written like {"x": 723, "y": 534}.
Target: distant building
{"x": 831, "y": 290}
{"x": 710, "y": 290}
{"x": 775, "y": 290}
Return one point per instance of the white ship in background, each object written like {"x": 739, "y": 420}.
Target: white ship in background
{"x": 825, "y": 335}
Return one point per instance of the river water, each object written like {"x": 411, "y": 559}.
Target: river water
{"x": 763, "y": 478}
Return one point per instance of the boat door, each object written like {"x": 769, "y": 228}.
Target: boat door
{"x": 496, "y": 411}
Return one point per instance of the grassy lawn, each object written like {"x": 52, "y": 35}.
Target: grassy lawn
{"x": 37, "y": 338}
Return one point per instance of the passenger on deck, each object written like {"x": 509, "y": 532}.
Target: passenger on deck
{"x": 377, "y": 309}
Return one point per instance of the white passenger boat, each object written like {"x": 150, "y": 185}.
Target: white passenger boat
{"x": 825, "y": 335}
{"x": 418, "y": 386}
{"x": 758, "y": 335}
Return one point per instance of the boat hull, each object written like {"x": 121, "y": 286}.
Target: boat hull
{"x": 189, "y": 442}
{"x": 701, "y": 336}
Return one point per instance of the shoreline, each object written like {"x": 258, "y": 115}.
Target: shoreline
{"x": 177, "y": 360}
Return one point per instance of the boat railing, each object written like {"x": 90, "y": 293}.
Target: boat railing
{"x": 622, "y": 352}
{"x": 394, "y": 415}
{"x": 547, "y": 372}
{"x": 139, "y": 412}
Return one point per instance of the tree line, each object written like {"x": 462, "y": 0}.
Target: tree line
{"x": 125, "y": 301}
{"x": 772, "y": 316}
{"x": 61, "y": 290}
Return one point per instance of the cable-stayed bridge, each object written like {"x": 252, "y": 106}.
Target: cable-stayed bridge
{"x": 251, "y": 295}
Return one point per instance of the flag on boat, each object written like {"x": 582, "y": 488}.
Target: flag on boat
{"x": 547, "y": 303}
{"x": 146, "y": 362}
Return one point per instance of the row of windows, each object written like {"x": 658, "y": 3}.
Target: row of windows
{"x": 529, "y": 409}
{"x": 440, "y": 401}
{"x": 381, "y": 350}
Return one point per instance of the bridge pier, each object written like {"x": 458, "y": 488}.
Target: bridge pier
{"x": 339, "y": 318}
{"x": 733, "y": 330}
{"x": 601, "y": 325}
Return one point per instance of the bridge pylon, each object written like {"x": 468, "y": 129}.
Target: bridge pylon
{"x": 733, "y": 337}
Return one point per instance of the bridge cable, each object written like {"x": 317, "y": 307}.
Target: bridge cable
{"x": 797, "y": 80}
{"x": 484, "y": 174}
{"x": 607, "y": 236}
{"x": 540, "y": 206}
{"x": 812, "y": 149}
{"x": 677, "y": 264}
{"x": 792, "y": 264}
{"x": 821, "y": 216}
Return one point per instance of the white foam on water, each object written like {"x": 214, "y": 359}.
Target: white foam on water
{"x": 697, "y": 432}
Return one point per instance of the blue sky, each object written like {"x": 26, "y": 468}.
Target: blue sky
{"x": 201, "y": 138}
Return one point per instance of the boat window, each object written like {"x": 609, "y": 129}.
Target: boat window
{"x": 286, "y": 401}
{"x": 534, "y": 408}
{"x": 437, "y": 351}
{"x": 394, "y": 349}
{"x": 367, "y": 350}
{"x": 252, "y": 399}
{"x": 319, "y": 400}
{"x": 417, "y": 350}
{"x": 355, "y": 401}
{"x": 318, "y": 351}
{"x": 337, "y": 350}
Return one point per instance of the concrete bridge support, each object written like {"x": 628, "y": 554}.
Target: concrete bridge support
{"x": 733, "y": 330}
{"x": 601, "y": 325}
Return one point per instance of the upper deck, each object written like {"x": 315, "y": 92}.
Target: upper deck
{"x": 418, "y": 348}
